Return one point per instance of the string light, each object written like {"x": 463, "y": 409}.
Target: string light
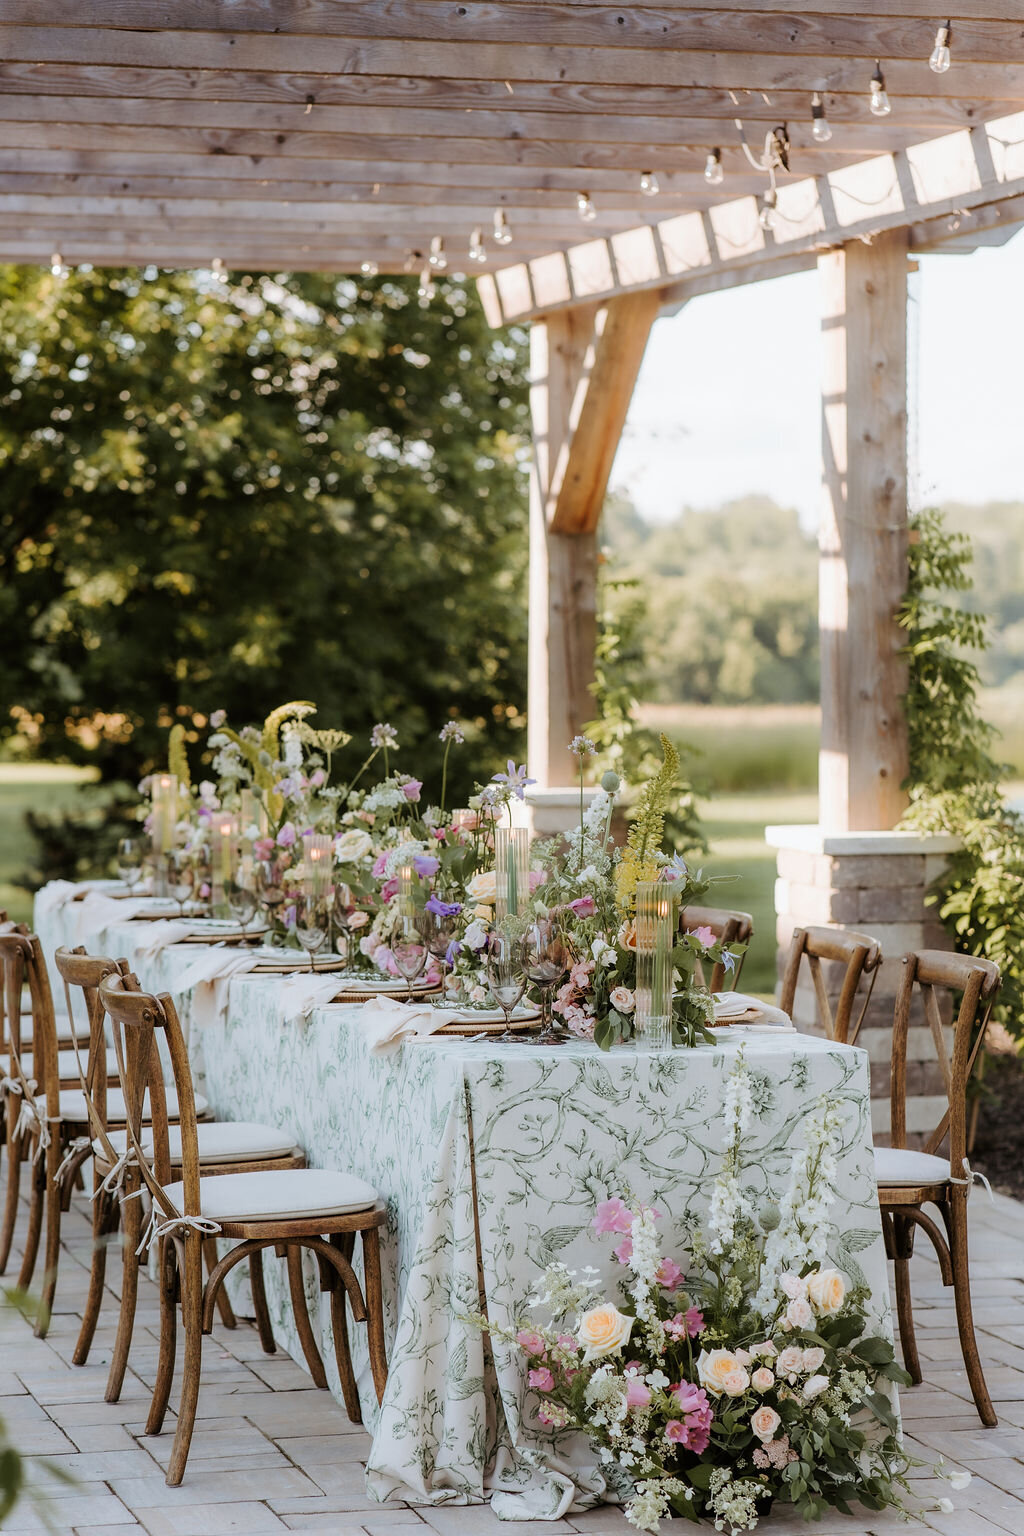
{"x": 437, "y": 258}
{"x": 768, "y": 217}
{"x": 649, "y": 184}
{"x": 369, "y": 268}
{"x": 426, "y": 288}
{"x": 57, "y": 266}
{"x": 218, "y": 269}
{"x": 821, "y": 130}
{"x": 477, "y": 249}
{"x": 880, "y": 104}
{"x": 585, "y": 207}
{"x": 501, "y": 232}
{"x": 940, "y": 60}
{"x": 714, "y": 171}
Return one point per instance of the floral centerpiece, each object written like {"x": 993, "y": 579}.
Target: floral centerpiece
{"x": 748, "y": 1376}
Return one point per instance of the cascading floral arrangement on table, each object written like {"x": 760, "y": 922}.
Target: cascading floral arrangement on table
{"x": 751, "y": 1377}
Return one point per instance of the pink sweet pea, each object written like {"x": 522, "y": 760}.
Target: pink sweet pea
{"x": 389, "y": 889}
{"x": 532, "y": 1342}
{"x": 380, "y": 864}
{"x": 286, "y": 836}
{"x": 584, "y": 906}
{"x": 567, "y": 1341}
{"x": 638, "y": 1395}
{"x": 317, "y": 779}
{"x": 668, "y": 1274}
{"x": 624, "y": 1252}
{"x": 613, "y": 1216}
{"x": 263, "y": 847}
{"x": 541, "y": 1380}
{"x": 411, "y": 789}
{"x": 705, "y": 934}
{"x": 693, "y": 1317}
{"x": 537, "y": 877}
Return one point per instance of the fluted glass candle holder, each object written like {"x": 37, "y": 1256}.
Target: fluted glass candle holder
{"x": 655, "y": 938}
{"x": 223, "y": 838}
{"x": 163, "y": 820}
{"x": 317, "y": 864}
{"x": 512, "y": 869}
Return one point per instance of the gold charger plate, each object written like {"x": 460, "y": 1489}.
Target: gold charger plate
{"x": 496, "y": 1027}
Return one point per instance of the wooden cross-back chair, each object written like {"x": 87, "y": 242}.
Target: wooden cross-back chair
{"x": 909, "y": 1179}
{"x": 224, "y": 1147}
{"x": 730, "y": 928}
{"x": 861, "y": 956}
{"x": 308, "y": 1208}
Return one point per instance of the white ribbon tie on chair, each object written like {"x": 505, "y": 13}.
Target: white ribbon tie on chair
{"x": 974, "y": 1177}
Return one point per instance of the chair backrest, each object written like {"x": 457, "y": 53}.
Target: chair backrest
{"x": 83, "y": 973}
{"x": 858, "y": 953}
{"x": 730, "y": 928}
{"x": 21, "y": 958}
{"x": 978, "y": 982}
{"x": 137, "y": 1019}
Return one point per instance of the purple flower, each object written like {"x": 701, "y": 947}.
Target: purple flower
{"x": 443, "y": 908}
{"x": 453, "y": 952}
{"x": 411, "y": 789}
{"x": 515, "y": 780}
{"x": 286, "y": 836}
{"x": 384, "y": 735}
{"x": 451, "y": 731}
{"x": 426, "y": 866}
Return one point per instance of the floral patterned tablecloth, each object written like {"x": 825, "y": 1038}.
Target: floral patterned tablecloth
{"x": 538, "y": 1135}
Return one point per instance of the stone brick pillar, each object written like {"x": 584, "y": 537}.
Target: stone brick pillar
{"x": 874, "y": 882}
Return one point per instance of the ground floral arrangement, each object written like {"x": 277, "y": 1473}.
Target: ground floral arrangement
{"x": 749, "y": 1378}
{"x": 382, "y": 822}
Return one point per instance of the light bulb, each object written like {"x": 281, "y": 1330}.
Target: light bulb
{"x": 585, "y": 207}
{"x": 768, "y": 218}
{"x": 437, "y": 258}
{"x": 880, "y": 104}
{"x": 426, "y": 288}
{"x": 939, "y": 59}
{"x": 369, "y": 269}
{"x": 57, "y": 266}
{"x": 649, "y": 184}
{"x": 218, "y": 269}
{"x": 714, "y": 171}
{"x": 821, "y": 130}
{"x": 501, "y": 233}
{"x": 477, "y": 249}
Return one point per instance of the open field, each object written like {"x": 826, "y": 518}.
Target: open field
{"x": 23, "y": 787}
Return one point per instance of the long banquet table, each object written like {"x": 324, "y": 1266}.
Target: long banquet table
{"x": 491, "y": 1158}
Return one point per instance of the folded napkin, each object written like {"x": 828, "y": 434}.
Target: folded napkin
{"x": 389, "y": 1023}
{"x": 303, "y": 991}
{"x": 53, "y": 896}
{"x": 731, "y": 1005}
{"x": 95, "y": 912}
{"x": 208, "y": 978}
{"x": 158, "y": 935}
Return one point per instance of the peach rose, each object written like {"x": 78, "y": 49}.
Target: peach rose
{"x": 799, "y": 1314}
{"x": 603, "y": 1330}
{"x": 790, "y": 1361}
{"x": 762, "y": 1378}
{"x": 826, "y": 1291}
{"x": 764, "y": 1423}
{"x": 483, "y": 888}
{"x": 626, "y": 936}
{"x": 622, "y": 999}
{"x": 718, "y": 1370}
{"x": 814, "y": 1358}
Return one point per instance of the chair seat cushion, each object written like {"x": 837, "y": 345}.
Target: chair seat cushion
{"x": 288, "y": 1194}
{"x": 72, "y": 1105}
{"x": 67, "y": 1064}
{"x": 895, "y": 1166}
{"x": 220, "y": 1141}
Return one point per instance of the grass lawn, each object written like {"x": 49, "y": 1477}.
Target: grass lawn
{"x": 46, "y": 787}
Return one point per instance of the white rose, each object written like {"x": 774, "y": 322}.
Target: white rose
{"x": 813, "y": 1386}
{"x": 814, "y": 1359}
{"x": 603, "y": 953}
{"x": 790, "y": 1361}
{"x": 352, "y": 845}
{"x": 826, "y": 1291}
{"x": 714, "y": 1369}
{"x": 483, "y": 888}
{"x": 799, "y": 1314}
{"x": 622, "y": 999}
{"x": 603, "y": 1331}
{"x": 762, "y": 1378}
{"x": 476, "y": 934}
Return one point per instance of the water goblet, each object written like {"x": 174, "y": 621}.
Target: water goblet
{"x": 344, "y": 914}
{"x": 241, "y": 899}
{"x": 545, "y": 959}
{"x": 270, "y": 892}
{"x": 312, "y": 924}
{"x": 409, "y": 951}
{"x": 437, "y": 930}
{"x": 180, "y": 877}
{"x": 503, "y": 960}
{"x": 129, "y": 861}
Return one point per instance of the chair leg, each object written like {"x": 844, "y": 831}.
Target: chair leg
{"x": 901, "y": 1250}
{"x": 131, "y": 1216}
{"x": 168, "y": 1337}
{"x": 224, "y": 1307}
{"x": 13, "y": 1183}
{"x": 339, "y": 1330}
{"x": 105, "y": 1222}
{"x": 375, "y": 1310}
{"x": 37, "y": 1187}
{"x": 191, "y": 1281}
{"x": 957, "y": 1224}
{"x": 259, "y": 1302}
{"x": 49, "y": 1163}
{"x": 307, "y": 1338}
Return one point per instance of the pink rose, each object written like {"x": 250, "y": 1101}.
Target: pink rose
{"x": 541, "y": 1380}
{"x": 613, "y": 1216}
{"x": 790, "y": 1361}
{"x": 286, "y": 836}
{"x": 762, "y": 1378}
{"x": 638, "y": 1395}
{"x": 389, "y": 889}
{"x": 668, "y": 1274}
{"x": 799, "y": 1314}
{"x": 622, "y": 999}
{"x": 705, "y": 934}
{"x": 814, "y": 1358}
{"x": 358, "y": 919}
{"x": 764, "y": 1422}
{"x": 532, "y": 1342}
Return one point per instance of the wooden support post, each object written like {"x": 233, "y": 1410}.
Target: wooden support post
{"x": 863, "y": 539}
{"x": 583, "y": 366}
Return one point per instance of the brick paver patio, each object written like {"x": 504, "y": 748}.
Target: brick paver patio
{"x": 271, "y": 1453}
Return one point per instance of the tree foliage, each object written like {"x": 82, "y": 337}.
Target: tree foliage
{"x": 220, "y": 495}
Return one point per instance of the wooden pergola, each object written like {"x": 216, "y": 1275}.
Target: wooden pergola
{"x": 369, "y": 134}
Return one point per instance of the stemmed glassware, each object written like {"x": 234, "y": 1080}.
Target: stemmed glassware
{"x": 409, "y": 951}
{"x": 437, "y": 930}
{"x": 506, "y": 978}
{"x": 312, "y": 923}
{"x": 270, "y": 892}
{"x": 180, "y": 877}
{"x": 343, "y": 911}
{"x": 241, "y": 898}
{"x": 545, "y": 960}
{"x": 130, "y": 857}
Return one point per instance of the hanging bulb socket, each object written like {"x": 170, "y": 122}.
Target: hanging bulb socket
{"x": 57, "y": 267}
{"x": 437, "y": 258}
{"x": 940, "y": 58}
{"x": 369, "y": 268}
{"x": 501, "y": 233}
{"x": 218, "y": 269}
{"x": 585, "y": 207}
{"x": 426, "y": 287}
{"x": 649, "y": 185}
{"x": 714, "y": 171}
{"x": 768, "y": 217}
{"x": 477, "y": 249}
{"x": 880, "y": 104}
{"x": 821, "y": 129}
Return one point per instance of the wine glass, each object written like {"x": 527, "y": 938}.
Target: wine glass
{"x": 129, "y": 861}
{"x": 312, "y": 924}
{"x": 180, "y": 877}
{"x": 343, "y": 911}
{"x": 270, "y": 892}
{"x": 409, "y": 951}
{"x": 241, "y": 898}
{"x": 437, "y": 930}
{"x": 503, "y": 960}
{"x": 545, "y": 960}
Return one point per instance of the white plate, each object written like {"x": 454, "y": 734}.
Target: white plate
{"x": 201, "y": 929}
{"x": 465, "y": 1015}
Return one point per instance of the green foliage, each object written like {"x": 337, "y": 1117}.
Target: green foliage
{"x": 954, "y": 780}
{"x": 211, "y": 496}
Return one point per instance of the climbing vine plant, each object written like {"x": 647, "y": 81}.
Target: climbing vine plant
{"x": 955, "y": 779}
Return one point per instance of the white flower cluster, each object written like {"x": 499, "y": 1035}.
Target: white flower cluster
{"x": 606, "y": 1399}
{"x": 292, "y": 746}
{"x": 729, "y": 1205}
{"x": 733, "y": 1502}
{"x": 805, "y": 1225}
{"x": 644, "y": 1260}
{"x": 387, "y": 796}
{"x": 562, "y": 1291}
{"x": 402, "y": 855}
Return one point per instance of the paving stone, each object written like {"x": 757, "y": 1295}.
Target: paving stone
{"x": 211, "y": 1520}
{"x": 318, "y": 1450}
{"x": 199, "y": 1487}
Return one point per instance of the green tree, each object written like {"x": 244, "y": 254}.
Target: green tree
{"x": 226, "y": 495}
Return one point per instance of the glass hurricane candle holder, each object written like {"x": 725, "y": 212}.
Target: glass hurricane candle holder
{"x": 512, "y": 867}
{"x": 655, "y": 938}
